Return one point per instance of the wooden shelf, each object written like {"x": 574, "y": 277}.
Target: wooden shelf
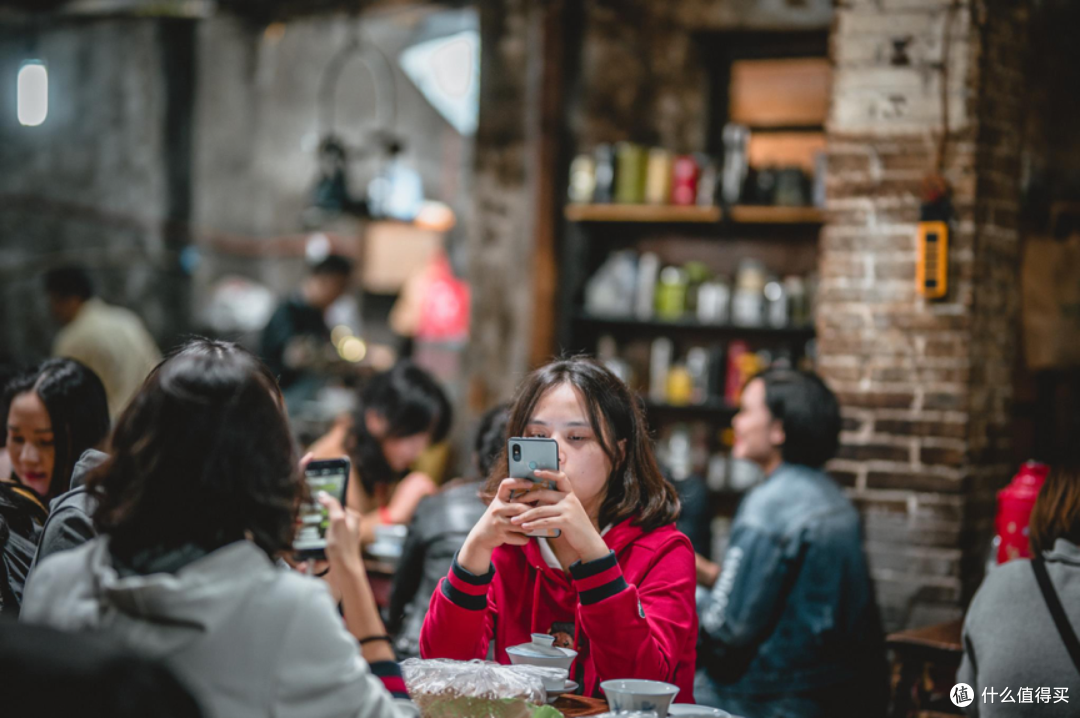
{"x": 660, "y": 326}
{"x": 641, "y": 213}
{"x": 674, "y": 214}
{"x": 712, "y": 408}
{"x": 762, "y": 214}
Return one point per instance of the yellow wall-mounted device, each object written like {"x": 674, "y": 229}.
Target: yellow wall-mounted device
{"x": 932, "y": 267}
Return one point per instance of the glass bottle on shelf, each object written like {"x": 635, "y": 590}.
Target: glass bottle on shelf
{"x": 748, "y": 302}
{"x": 776, "y": 304}
{"x": 671, "y": 294}
{"x": 659, "y": 365}
{"x": 680, "y": 386}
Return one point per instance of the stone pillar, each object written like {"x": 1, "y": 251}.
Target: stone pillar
{"x": 500, "y": 243}
{"x": 925, "y": 385}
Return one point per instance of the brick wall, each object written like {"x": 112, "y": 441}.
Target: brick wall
{"x": 925, "y": 385}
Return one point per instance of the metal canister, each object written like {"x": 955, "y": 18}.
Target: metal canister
{"x": 630, "y": 173}
{"x": 707, "y": 181}
{"x": 582, "y": 179}
{"x": 658, "y": 177}
{"x": 684, "y": 181}
{"x": 604, "y": 171}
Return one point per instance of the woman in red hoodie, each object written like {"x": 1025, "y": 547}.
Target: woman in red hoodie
{"x": 617, "y": 585}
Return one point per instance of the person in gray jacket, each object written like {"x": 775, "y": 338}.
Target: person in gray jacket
{"x": 1015, "y": 659}
{"x": 791, "y": 628}
{"x": 196, "y": 503}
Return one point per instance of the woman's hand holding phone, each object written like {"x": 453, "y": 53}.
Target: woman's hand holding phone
{"x": 561, "y": 509}
{"x": 342, "y": 537}
{"x": 495, "y": 528}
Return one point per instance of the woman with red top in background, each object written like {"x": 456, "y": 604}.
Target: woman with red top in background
{"x": 617, "y": 585}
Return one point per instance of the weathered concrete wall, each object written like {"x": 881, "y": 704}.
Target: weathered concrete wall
{"x": 89, "y": 184}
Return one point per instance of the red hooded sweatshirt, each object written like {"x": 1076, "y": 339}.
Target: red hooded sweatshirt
{"x": 629, "y": 615}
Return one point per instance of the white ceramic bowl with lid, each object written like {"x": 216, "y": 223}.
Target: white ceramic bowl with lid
{"x": 541, "y": 652}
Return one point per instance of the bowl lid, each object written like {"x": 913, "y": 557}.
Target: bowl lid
{"x": 541, "y": 646}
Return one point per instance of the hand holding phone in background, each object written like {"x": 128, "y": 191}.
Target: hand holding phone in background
{"x": 330, "y": 477}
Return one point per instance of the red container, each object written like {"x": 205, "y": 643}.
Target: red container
{"x": 1015, "y": 502}
{"x": 684, "y": 180}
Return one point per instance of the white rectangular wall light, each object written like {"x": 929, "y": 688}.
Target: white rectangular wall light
{"x": 33, "y": 93}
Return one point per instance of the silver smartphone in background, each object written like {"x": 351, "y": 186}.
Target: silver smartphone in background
{"x": 527, "y": 456}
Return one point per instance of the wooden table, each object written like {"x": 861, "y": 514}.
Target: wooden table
{"x": 940, "y": 645}
{"x": 573, "y": 706}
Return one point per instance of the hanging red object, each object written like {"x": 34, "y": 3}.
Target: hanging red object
{"x": 1014, "y": 504}
{"x": 444, "y": 309}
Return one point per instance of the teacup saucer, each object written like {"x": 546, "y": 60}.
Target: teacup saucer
{"x": 570, "y": 687}
{"x": 693, "y": 711}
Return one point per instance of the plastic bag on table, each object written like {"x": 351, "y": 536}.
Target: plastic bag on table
{"x": 476, "y": 689}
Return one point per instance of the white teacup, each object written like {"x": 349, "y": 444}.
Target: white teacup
{"x": 631, "y": 694}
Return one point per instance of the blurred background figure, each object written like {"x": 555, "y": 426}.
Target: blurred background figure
{"x": 296, "y": 342}
{"x": 52, "y": 415}
{"x": 792, "y": 628}
{"x": 400, "y": 413}
{"x": 437, "y": 532}
{"x": 112, "y": 341}
{"x": 1009, "y": 646}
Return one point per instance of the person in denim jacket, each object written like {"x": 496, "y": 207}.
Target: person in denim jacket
{"x": 791, "y": 626}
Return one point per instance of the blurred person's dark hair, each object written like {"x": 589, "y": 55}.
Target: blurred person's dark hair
{"x": 69, "y": 281}
{"x": 203, "y": 455}
{"x": 1056, "y": 513}
{"x": 490, "y": 438}
{"x": 53, "y": 673}
{"x": 78, "y": 409}
{"x": 635, "y": 487}
{"x": 411, "y": 402}
{"x": 808, "y": 411}
{"x": 8, "y": 372}
{"x": 333, "y": 264}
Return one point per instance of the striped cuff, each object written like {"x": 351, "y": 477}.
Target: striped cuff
{"x": 466, "y": 589}
{"x": 389, "y": 672}
{"x": 597, "y": 580}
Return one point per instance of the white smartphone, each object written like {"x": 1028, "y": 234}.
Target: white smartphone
{"x": 527, "y": 456}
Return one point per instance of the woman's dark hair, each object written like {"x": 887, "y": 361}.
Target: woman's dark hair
{"x": 203, "y": 455}
{"x": 1056, "y": 513}
{"x": 808, "y": 411}
{"x": 490, "y": 438}
{"x": 69, "y": 281}
{"x": 412, "y": 402}
{"x": 78, "y": 411}
{"x": 636, "y": 487}
{"x": 334, "y": 264}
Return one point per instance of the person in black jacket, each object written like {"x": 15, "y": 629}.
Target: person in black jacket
{"x": 296, "y": 334}
{"x": 437, "y": 531}
{"x": 52, "y": 415}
